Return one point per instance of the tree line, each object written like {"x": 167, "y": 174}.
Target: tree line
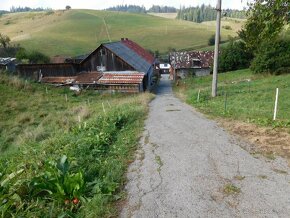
{"x": 206, "y": 13}
{"x": 14, "y": 9}
{"x": 128, "y": 8}
{"x": 142, "y": 9}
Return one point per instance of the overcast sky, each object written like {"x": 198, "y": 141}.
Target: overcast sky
{"x": 102, "y": 4}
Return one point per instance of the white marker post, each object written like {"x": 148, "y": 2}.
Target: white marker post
{"x": 276, "y": 104}
{"x": 198, "y": 95}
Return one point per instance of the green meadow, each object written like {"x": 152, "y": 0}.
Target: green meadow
{"x": 77, "y": 32}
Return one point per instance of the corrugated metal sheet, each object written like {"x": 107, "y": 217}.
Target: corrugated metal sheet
{"x": 5, "y": 61}
{"x": 129, "y": 56}
{"x": 122, "y": 77}
{"x": 88, "y": 78}
{"x": 139, "y": 50}
{"x": 186, "y": 59}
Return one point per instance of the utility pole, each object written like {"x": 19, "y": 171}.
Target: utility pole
{"x": 216, "y": 48}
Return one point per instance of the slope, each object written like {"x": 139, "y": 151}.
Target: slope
{"x": 76, "y": 32}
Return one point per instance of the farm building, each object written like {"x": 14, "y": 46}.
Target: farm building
{"x": 164, "y": 68}
{"x": 196, "y": 63}
{"x": 124, "y": 81}
{"x": 7, "y": 64}
{"x": 124, "y": 55}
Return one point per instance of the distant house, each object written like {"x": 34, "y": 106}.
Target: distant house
{"x": 196, "y": 63}
{"x": 164, "y": 68}
{"x": 124, "y": 55}
{"x": 7, "y": 64}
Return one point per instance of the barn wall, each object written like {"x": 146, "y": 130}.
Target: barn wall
{"x": 104, "y": 57}
{"x": 32, "y": 71}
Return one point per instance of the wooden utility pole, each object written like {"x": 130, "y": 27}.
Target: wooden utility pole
{"x": 216, "y": 48}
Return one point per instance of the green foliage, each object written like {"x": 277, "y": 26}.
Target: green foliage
{"x": 272, "y": 57}
{"x": 211, "y": 40}
{"x": 265, "y": 22}
{"x": 34, "y": 57}
{"x": 206, "y": 13}
{"x": 234, "y": 56}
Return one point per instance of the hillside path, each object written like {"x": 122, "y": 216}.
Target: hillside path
{"x": 188, "y": 166}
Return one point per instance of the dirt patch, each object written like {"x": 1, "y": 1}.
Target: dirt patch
{"x": 266, "y": 140}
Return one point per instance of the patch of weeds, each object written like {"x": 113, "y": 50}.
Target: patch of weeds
{"x": 231, "y": 189}
{"x": 270, "y": 155}
{"x": 172, "y": 110}
{"x": 159, "y": 162}
{"x": 239, "y": 177}
{"x": 262, "y": 177}
{"x": 280, "y": 171}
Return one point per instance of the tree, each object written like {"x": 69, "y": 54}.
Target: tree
{"x": 265, "y": 22}
{"x": 234, "y": 56}
{"x": 67, "y": 7}
{"x": 272, "y": 57}
{"x": 4, "y": 41}
{"x": 211, "y": 40}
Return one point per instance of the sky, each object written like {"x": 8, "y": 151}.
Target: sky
{"x": 102, "y": 4}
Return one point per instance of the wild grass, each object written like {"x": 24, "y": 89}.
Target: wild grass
{"x": 242, "y": 95}
{"x": 78, "y": 32}
{"x": 38, "y": 128}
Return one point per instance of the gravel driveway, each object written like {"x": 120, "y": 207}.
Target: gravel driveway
{"x": 188, "y": 166}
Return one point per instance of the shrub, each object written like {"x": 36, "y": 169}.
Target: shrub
{"x": 227, "y": 27}
{"x": 34, "y": 57}
{"x": 234, "y": 57}
{"x": 272, "y": 57}
{"x": 211, "y": 40}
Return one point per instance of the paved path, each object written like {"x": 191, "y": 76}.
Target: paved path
{"x": 187, "y": 166}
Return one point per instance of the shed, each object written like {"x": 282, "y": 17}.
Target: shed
{"x": 124, "y": 81}
{"x": 196, "y": 63}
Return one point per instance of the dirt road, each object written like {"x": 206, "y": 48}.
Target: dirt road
{"x": 187, "y": 166}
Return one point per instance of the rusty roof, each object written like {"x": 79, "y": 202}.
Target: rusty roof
{"x": 122, "y": 77}
{"x": 185, "y": 59}
{"x": 88, "y": 78}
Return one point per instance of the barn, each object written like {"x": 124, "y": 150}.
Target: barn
{"x": 124, "y": 55}
{"x": 196, "y": 63}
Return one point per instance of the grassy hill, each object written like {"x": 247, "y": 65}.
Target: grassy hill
{"x": 76, "y": 32}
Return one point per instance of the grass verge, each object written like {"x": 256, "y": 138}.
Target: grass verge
{"x": 242, "y": 95}
{"x": 64, "y": 158}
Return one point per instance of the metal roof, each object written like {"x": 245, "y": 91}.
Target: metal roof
{"x": 88, "y": 78}
{"x": 130, "y": 56}
{"x": 185, "y": 59}
{"x": 139, "y": 50}
{"x": 121, "y": 77}
{"x": 5, "y": 61}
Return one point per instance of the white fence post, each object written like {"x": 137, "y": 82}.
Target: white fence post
{"x": 276, "y": 104}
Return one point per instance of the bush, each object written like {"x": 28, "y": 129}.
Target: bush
{"x": 227, "y": 27}
{"x": 234, "y": 57}
{"x": 211, "y": 40}
{"x": 34, "y": 57}
{"x": 272, "y": 57}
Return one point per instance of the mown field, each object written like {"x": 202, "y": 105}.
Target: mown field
{"x": 77, "y": 32}
{"x": 63, "y": 158}
{"x": 242, "y": 95}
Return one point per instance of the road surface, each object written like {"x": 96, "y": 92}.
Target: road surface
{"x": 188, "y": 166}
